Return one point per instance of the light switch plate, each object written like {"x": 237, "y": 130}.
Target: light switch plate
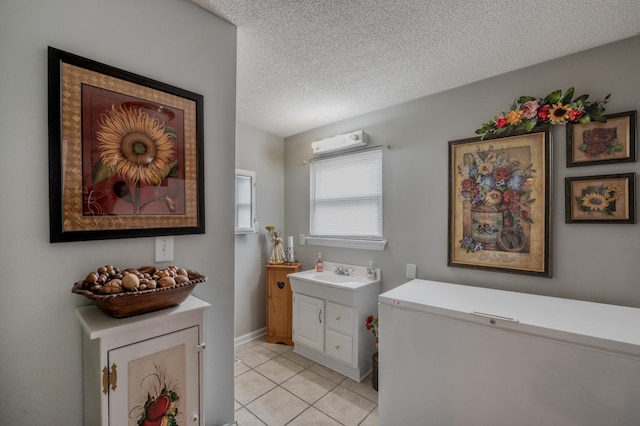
{"x": 411, "y": 271}
{"x": 164, "y": 249}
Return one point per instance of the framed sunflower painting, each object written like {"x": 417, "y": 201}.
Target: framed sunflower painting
{"x": 125, "y": 153}
{"x": 499, "y": 203}
{"x": 601, "y": 199}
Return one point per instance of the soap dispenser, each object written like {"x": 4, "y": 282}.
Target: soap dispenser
{"x": 371, "y": 271}
{"x": 319, "y": 263}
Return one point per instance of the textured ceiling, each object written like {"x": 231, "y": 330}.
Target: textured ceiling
{"x": 306, "y": 63}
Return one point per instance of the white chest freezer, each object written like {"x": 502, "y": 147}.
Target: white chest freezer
{"x": 461, "y": 355}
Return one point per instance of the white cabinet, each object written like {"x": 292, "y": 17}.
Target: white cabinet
{"x": 329, "y": 323}
{"x": 308, "y": 321}
{"x": 339, "y": 332}
{"x": 144, "y": 369}
{"x": 463, "y": 355}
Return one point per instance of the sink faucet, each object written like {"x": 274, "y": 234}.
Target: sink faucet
{"x": 341, "y": 270}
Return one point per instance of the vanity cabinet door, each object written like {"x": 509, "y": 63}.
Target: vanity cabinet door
{"x": 158, "y": 381}
{"x": 279, "y": 303}
{"x": 308, "y": 321}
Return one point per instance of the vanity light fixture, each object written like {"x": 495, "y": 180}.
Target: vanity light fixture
{"x": 340, "y": 142}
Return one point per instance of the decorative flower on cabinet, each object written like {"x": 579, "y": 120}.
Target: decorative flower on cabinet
{"x": 372, "y": 325}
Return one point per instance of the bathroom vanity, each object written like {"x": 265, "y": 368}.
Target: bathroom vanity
{"x": 329, "y": 314}
{"x": 461, "y": 355}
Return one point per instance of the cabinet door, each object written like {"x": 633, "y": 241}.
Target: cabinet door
{"x": 308, "y": 319}
{"x": 279, "y": 306}
{"x": 157, "y": 379}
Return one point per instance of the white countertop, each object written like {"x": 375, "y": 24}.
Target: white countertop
{"x": 97, "y": 324}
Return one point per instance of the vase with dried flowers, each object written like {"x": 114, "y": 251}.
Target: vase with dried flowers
{"x": 277, "y": 252}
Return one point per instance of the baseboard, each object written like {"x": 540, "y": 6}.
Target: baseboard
{"x": 250, "y": 336}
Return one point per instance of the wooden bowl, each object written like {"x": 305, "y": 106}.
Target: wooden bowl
{"x": 127, "y": 304}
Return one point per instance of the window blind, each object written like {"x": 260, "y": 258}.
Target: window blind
{"x": 346, "y": 196}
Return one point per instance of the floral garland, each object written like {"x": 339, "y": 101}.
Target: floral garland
{"x": 527, "y": 112}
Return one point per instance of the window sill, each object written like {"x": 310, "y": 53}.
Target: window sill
{"x": 344, "y": 243}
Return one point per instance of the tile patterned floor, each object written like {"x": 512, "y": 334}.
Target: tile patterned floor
{"x": 274, "y": 386}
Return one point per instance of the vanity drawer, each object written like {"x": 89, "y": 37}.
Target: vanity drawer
{"x": 339, "y": 318}
{"x": 338, "y": 346}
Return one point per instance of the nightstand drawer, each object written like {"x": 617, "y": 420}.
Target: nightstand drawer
{"x": 338, "y": 346}
{"x": 339, "y": 318}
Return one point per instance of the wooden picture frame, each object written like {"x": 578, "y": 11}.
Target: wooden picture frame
{"x": 600, "y": 199}
{"x": 500, "y": 203}
{"x": 125, "y": 153}
{"x": 603, "y": 143}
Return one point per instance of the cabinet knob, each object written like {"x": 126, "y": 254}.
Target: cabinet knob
{"x": 280, "y": 285}
{"x": 338, "y": 318}
{"x": 337, "y": 347}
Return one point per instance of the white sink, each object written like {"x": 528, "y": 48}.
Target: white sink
{"x": 313, "y": 283}
{"x": 332, "y": 278}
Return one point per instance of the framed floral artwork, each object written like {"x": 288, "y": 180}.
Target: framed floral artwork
{"x": 600, "y": 199}
{"x": 499, "y": 203}
{"x": 613, "y": 141}
{"x": 125, "y": 153}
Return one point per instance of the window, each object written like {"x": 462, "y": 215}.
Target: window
{"x": 245, "y": 201}
{"x": 346, "y": 196}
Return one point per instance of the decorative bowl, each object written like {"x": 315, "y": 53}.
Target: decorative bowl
{"x": 127, "y": 304}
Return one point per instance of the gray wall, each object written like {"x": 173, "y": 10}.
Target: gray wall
{"x": 590, "y": 261}
{"x": 263, "y": 153}
{"x": 171, "y": 41}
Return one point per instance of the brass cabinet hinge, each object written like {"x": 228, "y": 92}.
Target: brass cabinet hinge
{"x": 109, "y": 378}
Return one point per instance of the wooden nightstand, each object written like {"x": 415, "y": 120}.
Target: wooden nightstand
{"x": 280, "y": 303}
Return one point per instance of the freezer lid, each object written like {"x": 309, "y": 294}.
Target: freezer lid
{"x": 609, "y": 327}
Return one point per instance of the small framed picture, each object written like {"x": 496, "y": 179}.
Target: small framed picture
{"x": 600, "y": 199}
{"x": 602, "y": 143}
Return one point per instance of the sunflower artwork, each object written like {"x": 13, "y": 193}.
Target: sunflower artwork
{"x": 133, "y": 162}
{"x": 599, "y": 199}
{"x": 603, "y": 199}
{"x": 125, "y": 153}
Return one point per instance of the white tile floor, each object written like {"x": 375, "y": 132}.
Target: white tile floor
{"x": 275, "y": 386}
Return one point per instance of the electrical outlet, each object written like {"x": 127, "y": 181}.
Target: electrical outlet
{"x": 411, "y": 271}
{"x": 164, "y": 249}
{"x": 301, "y": 239}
